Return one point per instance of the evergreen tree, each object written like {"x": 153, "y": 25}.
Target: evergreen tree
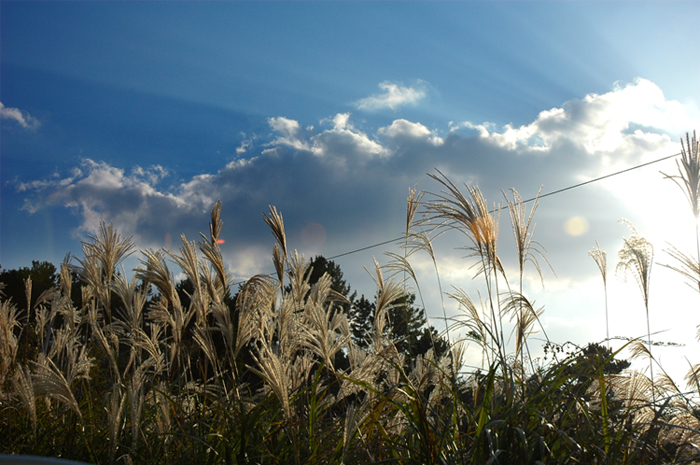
{"x": 361, "y": 317}
{"x": 321, "y": 265}
{"x": 43, "y": 275}
{"x": 408, "y": 328}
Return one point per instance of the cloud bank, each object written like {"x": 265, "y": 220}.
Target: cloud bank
{"x": 351, "y": 182}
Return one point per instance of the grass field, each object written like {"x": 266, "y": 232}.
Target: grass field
{"x": 129, "y": 373}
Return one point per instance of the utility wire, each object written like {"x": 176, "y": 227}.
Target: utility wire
{"x": 558, "y": 191}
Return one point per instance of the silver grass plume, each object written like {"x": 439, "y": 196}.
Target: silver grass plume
{"x": 526, "y": 319}
{"x": 168, "y": 310}
{"x": 326, "y": 330}
{"x": 28, "y": 291}
{"x": 299, "y": 275}
{"x": 688, "y": 267}
{"x": 90, "y": 273}
{"x": 216, "y": 224}
{"x": 420, "y": 240}
{"x": 688, "y": 178}
{"x": 156, "y": 272}
{"x": 600, "y": 257}
{"x": 388, "y": 292}
{"x": 682, "y": 432}
{"x": 211, "y": 250}
{"x": 150, "y": 343}
{"x": 256, "y": 301}
{"x": 202, "y": 337}
{"x": 470, "y": 215}
{"x": 527, "y": 249}
{"x": 66, "y": 280}
{"x": 349, "y": 429}
{"x": 635, "y": 391}
{"x": 458, "y": 350}
{"x": 176, "y": 318}
{"x": 115, "y": 412}
{"x": 400, "y": 263}
{"x": 364, "y": 368}
{"x": 50, "y": 382}
{"x": 206, "y": 291}
{"x": 133, "y": 299}
{"x": 105, "y": 340}
{"x": 222, "y": 280}
{"x": 42, "y": 315}
{"x": 477, "y": 330}
{"x": 273, "y": 371}
{"x": 111, "y": 249}
{"x": 136, "y": 398}
{"x": 102, "y": 256}
{"x": 24, "y": 387}
{"x": 636, "y": 258}
{"x": 279, "y": 252}
{"x": 188, "y": 261}
{"x": 286, "y": 324}
{"x": 8, "y": 340}
{"x": 223, "y": 323}
{"x": 163, "y": 417}
{"x": 210, "y": 293}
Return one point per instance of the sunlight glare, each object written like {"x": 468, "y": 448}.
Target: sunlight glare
{"x": 576, "y": 226}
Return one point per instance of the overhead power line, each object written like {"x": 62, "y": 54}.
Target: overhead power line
{"x": 547, "y": 194}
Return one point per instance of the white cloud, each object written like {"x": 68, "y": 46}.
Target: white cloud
{"x": 246, "y": 144}
{"x": 290, "y": 133}
{"x": 345, "y": 142}
{"x": 22, "y": 118}
{"x": 394, "y": 96}
{"x": 402, "y": 128}
{"x": 100, "y": 192}
{"x": 619, "y": 121}
{"x": 342, "y": 143}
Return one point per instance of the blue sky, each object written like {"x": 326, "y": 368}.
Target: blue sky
{"x": 144, "y": 113}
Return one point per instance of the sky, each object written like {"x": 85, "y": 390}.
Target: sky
{"x": 143, "y": 114}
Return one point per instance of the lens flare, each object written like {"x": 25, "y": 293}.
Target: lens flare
{"x": 313, "y": 236}
{"x": 576, "y": 226}
{"x": 220, "y": 241}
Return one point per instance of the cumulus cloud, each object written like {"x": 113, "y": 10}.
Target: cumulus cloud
{"x": 403, "y": 130}
{"x": 20, "y": 117}
{"x": 289, "y": 133}
{"x": 393, "y": 96}
{"x": 630, "y": 115}
{"x": 342, "y": 143}
{"x": 100, "y": 192}
{"x": 346, "y": 142}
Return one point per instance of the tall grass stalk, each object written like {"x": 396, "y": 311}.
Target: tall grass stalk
{"x": 600, "y": 257}
{"x": 688, "y": 179}
{"x": 527, "y": 250}
{"x": 636, "y": 258}
{"x": 469, "y": 214}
